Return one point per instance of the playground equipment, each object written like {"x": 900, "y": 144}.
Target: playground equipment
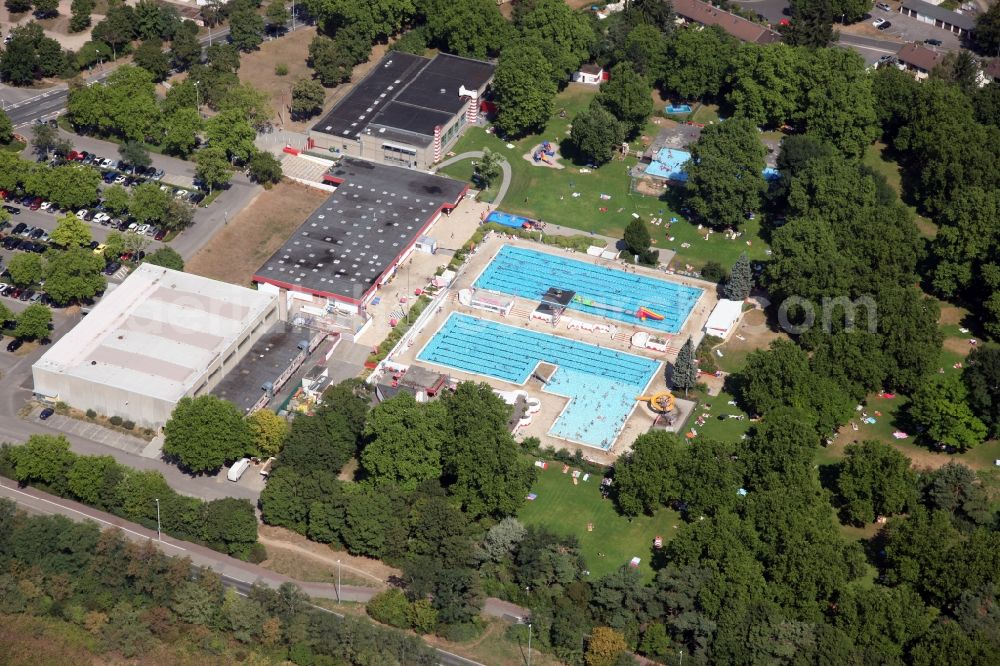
{"x": 662, "y": 401}
{"x": 545, "y": 153}
{"x": 644, "y": 312}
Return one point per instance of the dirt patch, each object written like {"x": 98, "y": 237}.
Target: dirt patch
{"x": 752, "y": 333}
{"x": 920, "y": 458}
{"x": 372, "y": 570}
{"x": 958, "y": 346}
{"x": 292, "y": 50}
{"x": 256, "y": 233}
{"x": 951, "y": 315}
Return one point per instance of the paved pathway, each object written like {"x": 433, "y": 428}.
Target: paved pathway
{"x": 472, "y": 154}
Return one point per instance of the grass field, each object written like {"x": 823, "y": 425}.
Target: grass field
{"x": 878, "y": 159}
{"x": 547, "y": 194}
{"x": 568, "y": 509}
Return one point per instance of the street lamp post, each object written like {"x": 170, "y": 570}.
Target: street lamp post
{"x": 293, "y": 15}
{"x": 197, "y": 97}
{"x": 529, "y": 644}
{"x": 338, "y": 582}
{"x": 158, "y": 533}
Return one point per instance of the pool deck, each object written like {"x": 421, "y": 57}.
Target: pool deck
{"x": 641, "y": 419}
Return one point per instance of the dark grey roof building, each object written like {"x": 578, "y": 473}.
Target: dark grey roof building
{"x": 407, "y": 110}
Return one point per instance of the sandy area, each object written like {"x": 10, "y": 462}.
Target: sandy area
{"x": 57, "y": 27}
{"x": 235, "y": 252}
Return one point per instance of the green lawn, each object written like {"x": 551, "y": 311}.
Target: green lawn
{"x": 547, "y": 194}
{"x": 723, "y": 430}
{"x": 877, "y": 158}
{"x": 567, "y": 509}
{"x": 464, "y": 170}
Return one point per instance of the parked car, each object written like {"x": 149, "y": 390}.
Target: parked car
{"x": 107, "y": 163}
{"x": 933, "y": 42}
{"x": 13, "y": 210}
{"x": 142, "y": 229}
{"x": 883, "y": 6}
{"x": 158, "y": 174}
{"x": 884, "y": 26}
{"x": 26, "y": 294}
{"x": 21, "y": 226}
{"x": 14, "y": 345}
{"x": 98, "y": 248}
{"x": 109, "y": 177}
{"x": 102, "y": 218}
{"x": 111, "y": 268}
{"x": 160, "y": 234}
{"x": 878, "y": 22}
{"x": 120, "y": 179}
{"x": 81, "y": 213}
{"x": 46, "y": 413}
{"x": 9, "y": 243}
{"x": 37, "y": 233}
{"x": 27, "y": 231}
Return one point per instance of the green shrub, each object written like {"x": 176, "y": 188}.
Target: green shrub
{"x": 91, "y": 414}
{"x": 116, "y": 420}
{"x": 128, "y": 425}
{"x": 713, "y": 272}
{"x": 390, "y": 607}
{"x": 281, "y": 69}
{"x": 460, "y": 633}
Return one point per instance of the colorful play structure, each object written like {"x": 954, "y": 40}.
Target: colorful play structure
{"x": 545, "y": 153}
{"x": 644, "y": 312}
{"x": 661, "y": 401}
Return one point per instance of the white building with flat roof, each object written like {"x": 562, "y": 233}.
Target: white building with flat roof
{"x": 161, "y": 335}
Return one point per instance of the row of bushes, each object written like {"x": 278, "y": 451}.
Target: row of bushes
{"x": 227, "y": 525}
{"x": 578, "y": 242}
{"x": 397, "y": 333}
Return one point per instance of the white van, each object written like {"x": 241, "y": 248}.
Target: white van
{"x": 236, "y": 471}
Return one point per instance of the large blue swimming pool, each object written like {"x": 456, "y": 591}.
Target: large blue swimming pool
{"x": 601, "y": 383}
{"x": 601, "y": 291}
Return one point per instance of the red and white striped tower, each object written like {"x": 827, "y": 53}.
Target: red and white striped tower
{"x": 437, "y": 144}
{"x": 472, "y": 112}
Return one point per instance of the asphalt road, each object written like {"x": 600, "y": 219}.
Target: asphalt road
{"x": 236, "y": 574}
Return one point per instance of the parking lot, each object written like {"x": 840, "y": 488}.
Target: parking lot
{"x": 902, "y": 29}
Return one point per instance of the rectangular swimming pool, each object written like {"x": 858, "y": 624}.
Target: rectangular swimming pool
{"x": 601, "y": 383}
{"x": 605, "y": 292}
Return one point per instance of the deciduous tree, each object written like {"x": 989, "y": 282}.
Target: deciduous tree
{"x": 699, "y": 61}
{"x": 627, "y": 95}
{"x": 405, "y": 439}
{"x": 71, "y": 231}
{"x": 268, "y": 431}
{"x": 597, "y": 134}
{"x": 725, "y": 180}
{"x": 940, "y": 406}
{"x": 646, "y": 478}
{"x": 265, "y": 168}
{"x": 167, "y": 257}
{"x": 307, "y": 98}
{"x": 874, "y": 480}
{"x": 213, "y": 167}
{"x": 524, "y": 90}
{"x": 488, "y": 167}
{"x": 204, "y": 433}
{"x": 604, "y": 647}
{"x": 25, "y": 269}
{"x": 73, "y": 275}
{"x": 151, "y": 57}
{"x": 246, "y": 29}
